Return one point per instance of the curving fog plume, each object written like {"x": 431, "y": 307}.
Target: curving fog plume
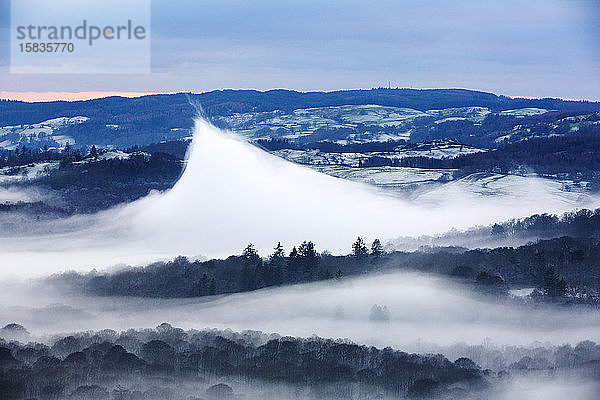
{"x": 233, "y": 193}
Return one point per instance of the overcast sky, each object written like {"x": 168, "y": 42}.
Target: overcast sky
{"x": 519, "y": 48}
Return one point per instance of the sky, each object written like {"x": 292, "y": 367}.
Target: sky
{"x": 538, "y": 48}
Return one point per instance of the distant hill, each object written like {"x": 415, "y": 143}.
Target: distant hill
{"x": 124, "y": 122}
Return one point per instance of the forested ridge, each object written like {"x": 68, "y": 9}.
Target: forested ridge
{"x": 170, "y": 363}
{"x": 576, "y": 156}
{"x": 124, "y": 122}
{"x": 562, "y": 267}
{"x": 85, "y": 182}
{"x": 223, "y": 102}
{"x": 106, "y": 358}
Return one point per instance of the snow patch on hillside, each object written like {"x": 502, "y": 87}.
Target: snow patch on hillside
{"x": 524, "y": 112}
{"x": 475, "y": 114}
{"x": 438, "y": 150}
{"x": 10, "y": 175}
{"x": 15, "y": 135}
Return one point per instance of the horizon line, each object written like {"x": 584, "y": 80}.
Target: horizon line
{"x": 50, "y": 96}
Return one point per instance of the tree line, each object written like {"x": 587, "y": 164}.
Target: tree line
{"x": 105, "y": 364}
{"x": 154, "y": 363}
{"x": 87, "y": 182}
{"x": 561, "y": 268}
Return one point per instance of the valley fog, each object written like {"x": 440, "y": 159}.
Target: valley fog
{"x": 233, "y": 193}
{"x": 422, "y": 312}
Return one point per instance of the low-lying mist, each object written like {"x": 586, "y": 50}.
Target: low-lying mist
{"x": 416, "y": 312}
{"x": 546, "y": 387}
{"x": 233, "y": 193}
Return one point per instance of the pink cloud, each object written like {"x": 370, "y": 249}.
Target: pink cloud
{"x": 67, "y": 96}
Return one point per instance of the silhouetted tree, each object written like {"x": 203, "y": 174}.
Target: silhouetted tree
{"x": 307, "y": 249}
{"x": 250, "y": 255}
{"x": 359, "y": 248}
{"x": 294, "y": 265}
{"x": 309, "y": 258}
{"x": 376, "y": 248}
{"x": 553, "y": 285}
{"x": 67, "y": 149}
{"x": 278, "y": 255}
{"x": 94, "y": 152}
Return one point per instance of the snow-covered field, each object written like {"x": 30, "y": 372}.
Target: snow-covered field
{"x": 475, "y": 114}
{"x": 113, "y": 154}
{"x": 433, "y": 186}
{"x": 15, "y": 135}
{"x": 346, "y": 166}
{"x": 388, "y": 177}
{"x": 376, "y": 123}
{"x": 304, "y": 122}
{"x": 524, "y": 112}
{"x": 517, "y": 188}
{"x": 9, "y": 175}
{"x": 338, "y": 116}
{"x": 438, "y": 150}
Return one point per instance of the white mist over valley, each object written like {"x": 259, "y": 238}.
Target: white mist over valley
{"x": 233, "y": 193}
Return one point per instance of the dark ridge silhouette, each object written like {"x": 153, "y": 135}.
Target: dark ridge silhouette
{"x": 91, "y": 365}
{"x": 170, "y": 363}
{"x": 572, "y": 259}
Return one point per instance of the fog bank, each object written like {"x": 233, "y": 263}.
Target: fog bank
{"x": 422, "y": 309}
{"x": 233, "y": 193}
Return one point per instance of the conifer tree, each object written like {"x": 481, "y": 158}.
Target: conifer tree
{"x": 359, "y": 248}
{"x": 376, "y": 248}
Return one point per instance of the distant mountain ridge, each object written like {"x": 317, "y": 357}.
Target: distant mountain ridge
{"x": 226, "y": 102}
{"x": 124, "y": 122}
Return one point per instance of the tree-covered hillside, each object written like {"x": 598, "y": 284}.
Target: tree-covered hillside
{"x": 110, "y": 365}
{"x": 545, "y": 265}
{"x": 124, "y": 122}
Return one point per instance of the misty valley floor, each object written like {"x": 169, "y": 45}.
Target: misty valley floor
{"x": 512, "y": 348}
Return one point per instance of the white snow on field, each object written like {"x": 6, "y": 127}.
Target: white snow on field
{"x": 438, "y": 150}
{"x": 388, "y": 177}
{"x": 428, "y": 185}
{"x": 113, "y": 154}
{"x": 514, "y": 188}
{"x": 475, "y": 114}
{"x": 12, "y": 136}
{"x": 316, "y": 157}
{"x": 63, "y": 121}
{"x": 521, "y": 292}
{"x": 524, "y": 112}
{"x": 302, "y": 122}
{"x": 450, "y": 119}
{"x": 10, "y": 175}
{"x": 356, "y": 123}
{"x": 503, "y": 138}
